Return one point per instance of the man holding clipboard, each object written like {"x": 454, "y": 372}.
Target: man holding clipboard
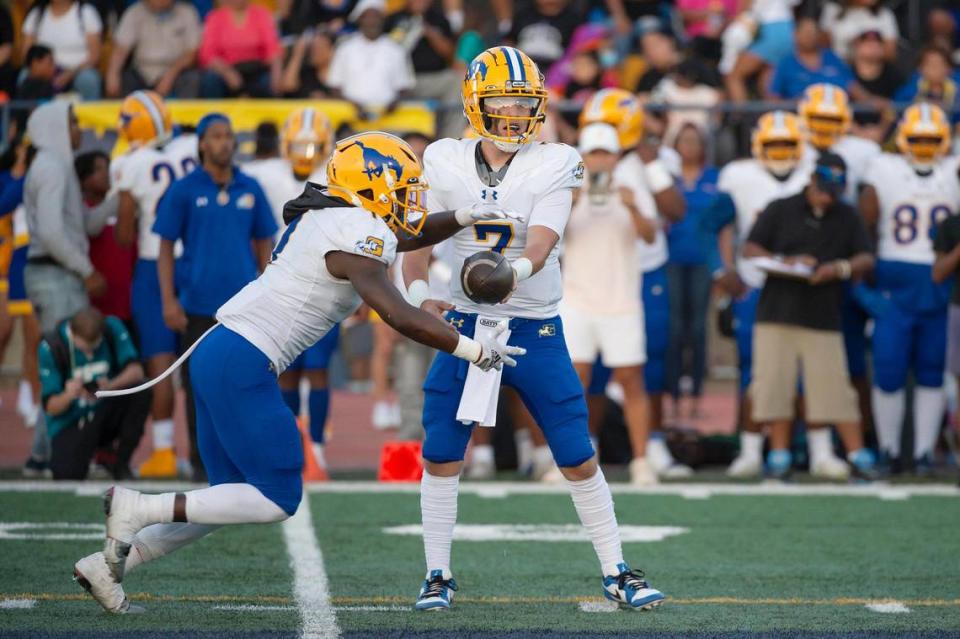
{"x": 808, "y": 244}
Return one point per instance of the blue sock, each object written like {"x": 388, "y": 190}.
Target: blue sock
{"x": 319, "y": 405}
{"x": 292, "y": 399}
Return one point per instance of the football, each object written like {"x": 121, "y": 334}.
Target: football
{"x": 486, "y": 277}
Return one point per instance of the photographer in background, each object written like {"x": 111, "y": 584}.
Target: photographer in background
{"x": 87, "y": 353}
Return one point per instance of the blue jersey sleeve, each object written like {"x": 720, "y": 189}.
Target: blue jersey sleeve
{"x": 172, "y": 213}
{"x": 719, "y": 214}
{"x": 12, "y": 196}
{"x": 264, "y": 223}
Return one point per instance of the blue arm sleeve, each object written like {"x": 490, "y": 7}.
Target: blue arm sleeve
{"x": 11, "y": 197}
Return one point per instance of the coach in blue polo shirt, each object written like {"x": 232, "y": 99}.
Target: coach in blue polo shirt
{"x": 226, "y": 226}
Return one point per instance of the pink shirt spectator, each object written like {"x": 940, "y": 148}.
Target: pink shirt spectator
{"x": 255, "y": 39}
{"x": 724, "y": 10}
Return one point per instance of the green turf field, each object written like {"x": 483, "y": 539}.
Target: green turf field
{"x": 754, "y": 564}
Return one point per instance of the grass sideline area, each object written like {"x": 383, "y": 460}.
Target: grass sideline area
{"x": 735, "y": 561}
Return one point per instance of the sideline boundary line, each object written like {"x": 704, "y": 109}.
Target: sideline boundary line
{"x": 310, "y": 582}
{"x": 881, "y": 490}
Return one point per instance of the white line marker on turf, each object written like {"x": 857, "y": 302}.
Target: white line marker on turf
{"x": 258, "y": 608}
{"x": 310, "y": 584}
{"x": 598, "y": 606}
{"x": 542, "y": 532}
{"x": 253, "y": 608}
{"x": 37, "y": 530}
{"x": 17, "y": 604}
{"x": 889, "y": 607}
{"x": 893, "y": 495}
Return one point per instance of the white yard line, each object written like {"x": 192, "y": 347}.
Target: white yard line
{"x": 876, "y": 490}
{"x": 598, "y": 606}
{"x": 17, "y": 604}
{"x": 888, "y": 607}
{"x": 310, "y": 585}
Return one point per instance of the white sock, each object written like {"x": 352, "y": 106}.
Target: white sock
{"x": 162, "y": 434}
{"x": 929, "y": 405}
{"x": 594, "y": 504}
{"x": 231, "y": 504}
{"x": 888, "y": 412}
{"x": 158, "y": 540}
{"x": 751, "y": 445}
{"x": 819, "y": 444}
{"x": 482, "y": 454}
{"x": 524, "y": 445}
{"x": 438, "y": 509}
{"x": 24, "y": 396}
{"x": 318, "y": 455}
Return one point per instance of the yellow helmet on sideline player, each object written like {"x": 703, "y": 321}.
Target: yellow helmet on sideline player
{"x": 497, "y": 79}
{"x": 777, "y": 142}
{"x": 380, "y": 173}
{"x": 923, "y": 135}
{"x": 825, "y": 113}
{"x": 620, "y": 109}
{"x": 306, "y": 140}
{"x": 145, "y": 119}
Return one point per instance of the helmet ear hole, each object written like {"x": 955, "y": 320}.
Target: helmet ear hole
{"x": 366, "y": 194}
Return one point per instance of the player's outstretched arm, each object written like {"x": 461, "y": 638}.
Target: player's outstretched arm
{"x": 443, "y": 224}
{"x": 369, "y": 279}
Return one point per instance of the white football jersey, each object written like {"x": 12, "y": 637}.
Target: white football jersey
{"x": 182, "y": 151}
{"x": 537, "y": 171}
{"x": 752, "y": 187}
{"x": 296, "y": 301}
{"x": 630, "y": 172}
{"x": 280, "y": 185}
{"x": 911, "y": 206}
{"x": 146, "y": 173}
{"x": 857, "y": 153}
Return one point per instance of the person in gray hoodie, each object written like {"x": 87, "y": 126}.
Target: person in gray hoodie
{"x": 59, "y": 276}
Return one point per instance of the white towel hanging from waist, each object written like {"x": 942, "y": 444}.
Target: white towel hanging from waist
{"x": 481, "y": 391}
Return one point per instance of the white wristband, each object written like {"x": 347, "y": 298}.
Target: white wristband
{"x": 523, "y": 268}
{"x": 658, "y": 177}
{"x": 468, "y": 349}
{"x": 417, "y": 292}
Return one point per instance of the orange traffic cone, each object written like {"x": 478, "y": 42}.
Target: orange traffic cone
{"x": 400, "y": 461}
{"x": 312, "y": 471}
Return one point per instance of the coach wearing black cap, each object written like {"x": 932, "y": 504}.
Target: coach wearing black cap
{"x": 799, "y": 321}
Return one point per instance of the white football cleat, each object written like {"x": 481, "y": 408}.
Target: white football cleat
{"x": 662, "y": 461}
{"x": 745, "y": 467}
{"x": 829, "y": 467}
{"x": 94, "y": 576}
{"x": 481, "y": 469}
{"x": 630, "y": 590}
{"x": 641, "y": 472}
{"x": 123, "y": 524}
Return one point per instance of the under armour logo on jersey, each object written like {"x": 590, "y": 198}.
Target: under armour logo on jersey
{"x": 547, "y": 330}
{"x": 456, "y": 322}
{"x": 493, "y": 194}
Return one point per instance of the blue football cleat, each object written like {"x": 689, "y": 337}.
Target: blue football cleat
{"x": 630, "y": 590}
{"x": 436, "y": 592}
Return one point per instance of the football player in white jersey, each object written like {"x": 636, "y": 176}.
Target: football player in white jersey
{"x": 650, "y": 171}
{"x": 142, "y": 176}
{"x": 826, "y": 116}
{"x": 504, "y": 100}
{"x": 334, "y": 254}
{"x": 906, "y": 197}
{"x": 306, "y": 142}
{"x": 750, "y": 184}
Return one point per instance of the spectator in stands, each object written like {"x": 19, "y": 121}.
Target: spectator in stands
{"x": 767, "y": 25}
{"x": 370, "y": 69}
{"x": 470, "y": 44}
{"x": 108, "y": 257}
{"x": 799, "y": 319}
{"x": 543, "y": 30}
{"x": 585, "y": 79}
{"x": 942, "y": 31}
{"x": 703, "y": 23}
{"x": 870, "y": 67}
{"x": 685, "y": 86}
{"x": 8, "y": 72}
{"x": 240, "y": 52}
{"x": 846, "y": 19}
{"x": 661, "y": 55}
{"x": 87, "y": 353}
{"x": 226, "y": 225}
{"x": 72, "y": 30}
{"x": 162, "y": 36}
{"x": 305, "y": 73}
{"x": 297, "y": 17}
{"x": 946, "y": 243}
{"x": 41, "y": 71}
{"x": 687, "y": 270}
{"x": 810, "y": 63}
{"x": 424, "y": 32}
{"x": 935, "y": 81}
